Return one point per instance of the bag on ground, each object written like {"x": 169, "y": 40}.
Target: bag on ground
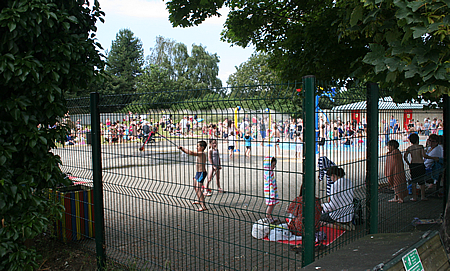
{"x": 261, "y": 228}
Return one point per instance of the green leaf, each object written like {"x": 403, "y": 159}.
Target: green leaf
{"x": 419, "y": 31}
{"x": 16, "y": 114}
{"x": 32, "y": 143}
{"x": 13, "y": 189}
{"x": 10, "y": 66}
{"x": 357, "y": 15}
{"x": 73, "y": 19}
{"x": 53, "y": 15}
{"x": 11, "y": 26}
{"x": 415, "y": 5}
{"x": 55, "y": 76}
{"x": 442, "y": 74}
{"x": 434, "y": 27}
{"x": 66, "y": 25}
{"x": 43, "y": 140}
{"x": 10, "y": 56}
{"x": 391, "y": 77}
{"x": 2, "y": 160}
{"x": 411, "y": 70}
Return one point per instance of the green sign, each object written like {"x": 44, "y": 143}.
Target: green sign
{"x": 411, "y": 261}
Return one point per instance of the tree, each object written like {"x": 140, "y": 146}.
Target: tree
{"x": 399, "y": 43}
{"x": 124, "y": 62}
{"x": 298, "y": 43}
{"x": 171, "y": 67}
{"x": 408, "y": 43}
{"x": 202, "y": 69}
{"x": 254, "y": 72}
{"x": 47, "y": 49}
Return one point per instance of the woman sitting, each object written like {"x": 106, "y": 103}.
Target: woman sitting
{"x": 295, "y": 210}
{"x": 340, "y": 207}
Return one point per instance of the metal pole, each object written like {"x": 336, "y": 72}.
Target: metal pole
{"x": 446, "y": 120}
{"x": 372, "y": 159}
{"x": 309, "y": 166}
{"x": 98, "y": 184}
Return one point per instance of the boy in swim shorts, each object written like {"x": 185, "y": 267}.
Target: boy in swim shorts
{"x": 201, "y": 174}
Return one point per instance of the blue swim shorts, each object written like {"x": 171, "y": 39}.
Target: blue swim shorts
{"x": 200, "y": 176}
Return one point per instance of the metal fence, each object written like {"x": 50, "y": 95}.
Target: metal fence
{"x": 144, "y": 210}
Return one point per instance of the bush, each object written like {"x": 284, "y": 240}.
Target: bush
{"x": 47, "y": 50}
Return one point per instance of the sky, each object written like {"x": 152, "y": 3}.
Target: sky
{"x": 148, "y": 19}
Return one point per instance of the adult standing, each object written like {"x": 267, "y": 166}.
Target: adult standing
{"x": 299, "y": 128}
{"x": 292, "y": 128}
{"x": 426, "y": 127}
{"x": 183, "y": 124}
{"x": 393, "y": 124}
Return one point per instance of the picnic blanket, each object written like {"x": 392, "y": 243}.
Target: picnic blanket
{"x": 332, "y": 235}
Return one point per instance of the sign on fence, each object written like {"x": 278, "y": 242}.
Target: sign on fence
{"x": 412, "y": 262}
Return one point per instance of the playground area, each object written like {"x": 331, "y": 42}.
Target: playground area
{"x": 148, "y": 192}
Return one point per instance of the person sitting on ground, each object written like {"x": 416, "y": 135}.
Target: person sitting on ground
{"x": 340, "y": 207}
{"x": 295, "y": 210}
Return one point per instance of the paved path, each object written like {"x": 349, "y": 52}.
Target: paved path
{"x": 151, "y": 223}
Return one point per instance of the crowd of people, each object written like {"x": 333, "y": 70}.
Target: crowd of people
{"x": 392, "y": 129}
{"x": 424, "y": 162}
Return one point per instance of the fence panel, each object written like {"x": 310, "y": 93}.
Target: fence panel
{"x": 421, "y": 195}
{"x": 151, "y": 215}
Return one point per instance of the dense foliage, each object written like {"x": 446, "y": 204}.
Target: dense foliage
{"x": 409, "y": 43}
{"x": 47, "y": 49}
{"x": 399, "y": 43}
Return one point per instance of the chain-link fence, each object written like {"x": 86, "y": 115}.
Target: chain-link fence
{"x": 226, "y": 206}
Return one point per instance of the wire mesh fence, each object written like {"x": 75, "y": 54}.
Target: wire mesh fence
{"x": 408, "y": 187}
{"x": 198, "y": 207}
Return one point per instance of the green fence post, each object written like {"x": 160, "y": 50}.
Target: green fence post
{"x": 97, "y": 179}
{"x": 372, "y": 158}
{"x": 309, "y": 166}
{"x": 446, "y": 120}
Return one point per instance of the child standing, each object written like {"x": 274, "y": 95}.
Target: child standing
{"x": 248, "y": 143}
{"x": 394, "y": 171}
{"x": 276, "y": 138}
{"x": 214, "y": 161}
{"x": 298, "y": 146}
{"x": 416, "y": 165}
{"x": 270, "y": 186}
{"x": 201, "y": 172}
{"x": 230, "y": 140}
